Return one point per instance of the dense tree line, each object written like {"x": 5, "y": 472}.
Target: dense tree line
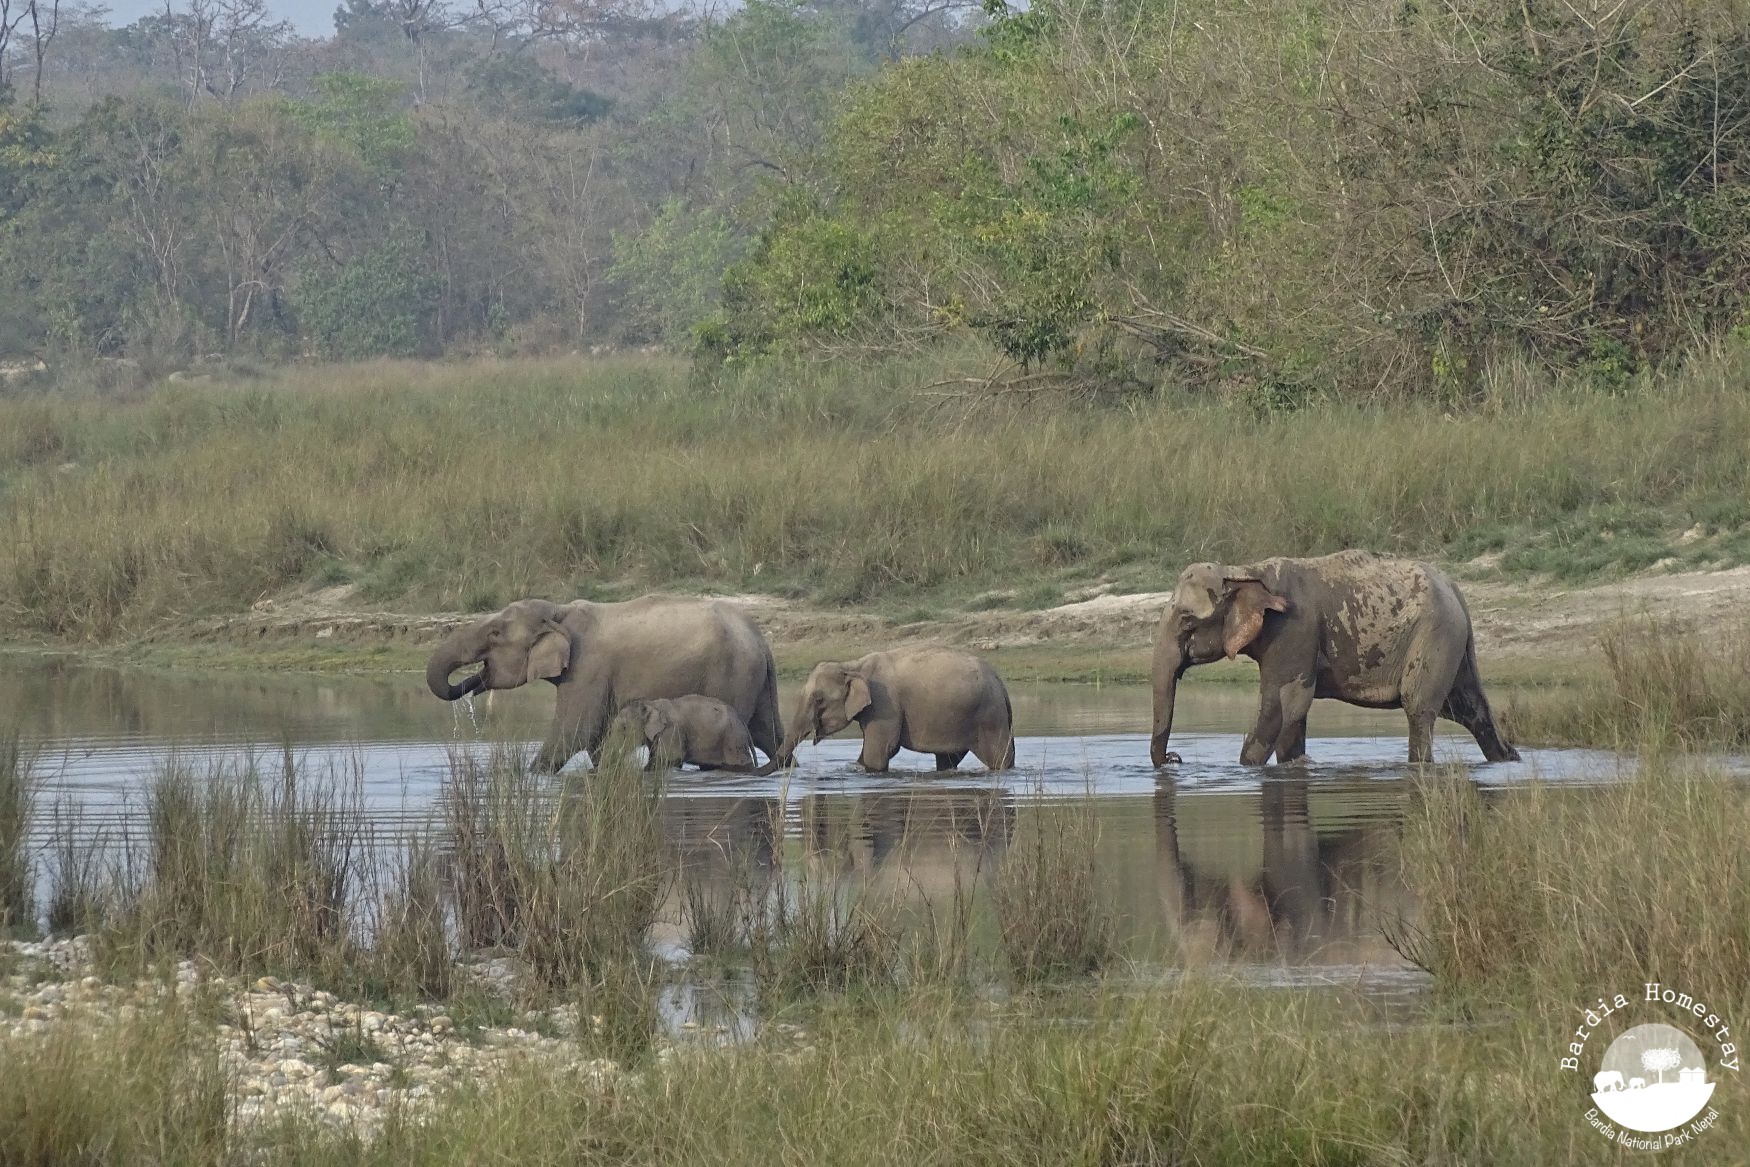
{"x": 1287, "y": 199}
{"x": 516, "y": 175}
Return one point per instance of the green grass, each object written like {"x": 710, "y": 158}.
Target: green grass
{"x": 464, "y": 485}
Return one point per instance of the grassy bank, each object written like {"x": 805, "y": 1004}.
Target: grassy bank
{"x": 463, "y": 486}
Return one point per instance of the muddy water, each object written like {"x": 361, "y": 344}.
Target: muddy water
{"x": 1282, "y": 873}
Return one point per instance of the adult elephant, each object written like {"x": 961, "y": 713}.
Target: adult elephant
{"x": 600, "y": 656}
{"x": 1371, "y": 630}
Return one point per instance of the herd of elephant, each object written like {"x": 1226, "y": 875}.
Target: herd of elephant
{"x": 694, "y": 680}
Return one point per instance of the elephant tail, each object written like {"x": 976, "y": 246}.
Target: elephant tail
{"x": 768, "y": 724}
{"x": 1467, "y": 705}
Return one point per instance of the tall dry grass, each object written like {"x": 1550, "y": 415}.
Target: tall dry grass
{"x": 1054, "y": 922}
{"x": 463, "y": 486}
{"x": 1554, "y": 893}
{"x": 17, "y": 809}
{"x": 1665, "y": 685}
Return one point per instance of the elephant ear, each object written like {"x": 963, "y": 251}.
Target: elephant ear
{"x": 550, "y": 655}
{"x": 857, "y": 697}
{"x": 1248, "y": 600}
{"x": 655, "y": 721}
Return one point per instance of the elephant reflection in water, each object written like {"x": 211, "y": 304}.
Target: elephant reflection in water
{"x": 918, "y": 845}
{"x": 925, "y": 840}
{"x": 1271, "y": 883}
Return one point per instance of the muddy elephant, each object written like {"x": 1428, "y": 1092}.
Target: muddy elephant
{"x": 1371, "y": 630}
{"x": 600, "y": 656}
{"x": 932, "y": 700}
{"x": 686, "y": 731}
{"x": 1606, "y": 1080}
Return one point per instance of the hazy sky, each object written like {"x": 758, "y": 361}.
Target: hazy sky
{"x": 310, "y": 17}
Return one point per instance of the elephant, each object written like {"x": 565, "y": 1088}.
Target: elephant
{"x": 1637, "y": 1083}
{"x": 687, "y": 731}
{"x": 1371, "y": 630}
{"x": 934, "y": 700}
{"x": 1606, "y": 1080}
{"x": 600, "y": 656}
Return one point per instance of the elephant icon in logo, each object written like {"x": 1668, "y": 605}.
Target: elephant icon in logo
{"x": 1637, "y": 1083}
{"x": 1606, "y": 1080}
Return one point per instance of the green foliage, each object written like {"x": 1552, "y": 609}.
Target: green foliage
{"x": 1254, "y": 200}
{"x": 367, "y": 113}
{"x": 671, "y": 273}
{"x": 809, "y": 279}
{"x": 375, "y": 305}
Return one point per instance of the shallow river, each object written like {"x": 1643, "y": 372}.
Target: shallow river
{"x": 1282, "y": 873}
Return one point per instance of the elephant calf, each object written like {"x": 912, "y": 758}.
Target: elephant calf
{"x": 932, "y": 700}
{"x": 687, "y": 731}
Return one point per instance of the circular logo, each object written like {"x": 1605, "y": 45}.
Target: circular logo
{"x": 1653, "y": 1079}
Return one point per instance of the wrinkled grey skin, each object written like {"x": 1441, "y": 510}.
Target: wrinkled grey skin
{"x": 1367, "y": 629}
{"x": 600, "y": 656}
{"x": 687, "y": 731}
{"x": 933, "y": 700}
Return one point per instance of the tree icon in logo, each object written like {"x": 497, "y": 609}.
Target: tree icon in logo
{"x": 1656, "y": 1102}
{"x": 1657, "y": 1061}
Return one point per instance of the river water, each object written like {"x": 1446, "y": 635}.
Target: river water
{"x": 1283, "y": 874}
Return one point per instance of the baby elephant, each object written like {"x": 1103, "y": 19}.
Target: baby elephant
{"x": 937, "y": 701}
{"x": 682, "y": 731}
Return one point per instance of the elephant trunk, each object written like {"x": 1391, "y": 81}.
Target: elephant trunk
{"x": 786, "y": 755}
{"x": 1169, "y": 666}
{"x": 462, "y": 647}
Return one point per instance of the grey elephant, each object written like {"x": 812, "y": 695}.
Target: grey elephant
{"x": 600, "y": 656}
{"x": 1367, "y": 629}
{"x": 687, "y": 731}
{"x": 933, "y": 700}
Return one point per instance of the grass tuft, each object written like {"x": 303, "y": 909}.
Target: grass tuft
{"x": 1054, "y": 923}
{"x": 1568, "y": 891}
{"x": 1664, "y": 686}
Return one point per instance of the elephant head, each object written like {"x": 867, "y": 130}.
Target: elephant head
{"x": 650, "y": 725}
{"x": 1216, "y": 612}
{"x": 834, "y": 695}
{"x": 525, "y": 642}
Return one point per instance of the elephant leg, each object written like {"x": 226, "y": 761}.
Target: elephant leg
{"x": 880, "y": 743}
{"x": 1431, "y": 665}
{"x": 1421, "y": 736}
{"x": 1295, "y": 700}
{"x": 1467, "y": 705}
{"x": 950, "y": 760}
{"x": 580, "y": 719}
{"x": 996, "y": 751}
{"x": 1261, "y": 742}
{"x": 562, "y": 744}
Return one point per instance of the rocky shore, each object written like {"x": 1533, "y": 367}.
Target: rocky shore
{"x": 286, "y": 1047}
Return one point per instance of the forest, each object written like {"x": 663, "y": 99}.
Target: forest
{"x": 1278, "y": 202}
